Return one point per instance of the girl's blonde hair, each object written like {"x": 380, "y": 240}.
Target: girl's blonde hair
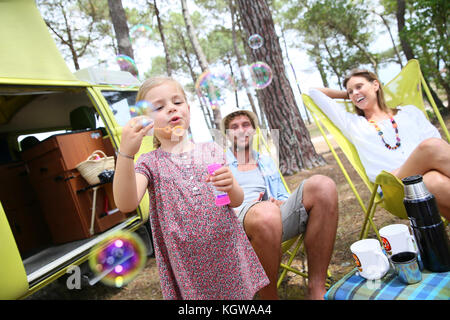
{"x": 151, "y": 83}
{"x": 371, "y": 77}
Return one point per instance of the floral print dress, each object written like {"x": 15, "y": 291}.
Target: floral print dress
{"x": 201, "y": 249}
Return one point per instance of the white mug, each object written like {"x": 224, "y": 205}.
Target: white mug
{"x": 397, "y": 238}
{"x": 370, "y": 260}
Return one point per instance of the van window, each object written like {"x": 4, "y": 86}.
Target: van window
{"x": 44, "y": 135}
{"x": 39, "y": 136}
{"x": 120, "y": 102}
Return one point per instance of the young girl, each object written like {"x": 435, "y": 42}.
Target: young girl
{"x": 201, "y": 249}
{"x": 399, "y": 140}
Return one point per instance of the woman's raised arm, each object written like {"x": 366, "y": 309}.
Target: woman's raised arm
{"x": 333, "y": 93}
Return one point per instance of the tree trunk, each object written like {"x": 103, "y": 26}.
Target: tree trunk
{"x": 320, "y": 66}
{"x": 277, "y": 100}
{"x": 386, "y": 24}
{"x": 230, "y": 65}
{"x": 401, "y": 9}
{"x": 199, "y": 54}
{"x": 238, "y": 55}
{"x": 446, "y": 87}
{"x": 119, "y": 21}
{"x": 206, "y": 114}
{"x": 163, "y": 40}
{"x": 248, "y": 53}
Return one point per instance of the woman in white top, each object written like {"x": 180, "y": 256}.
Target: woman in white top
{"x": 401, "y": 140}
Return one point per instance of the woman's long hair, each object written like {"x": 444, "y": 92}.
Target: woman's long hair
{"x": 151, "y": 83}
{"x": 369, "y": 76}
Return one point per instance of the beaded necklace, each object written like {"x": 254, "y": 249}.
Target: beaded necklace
{"x": 380, "y": 133}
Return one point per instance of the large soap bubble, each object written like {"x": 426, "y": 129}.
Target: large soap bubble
{"x": 258, "y": 75}
{"x": 141, "y": 108}
{"x": 212, "y": 85}
{"x": 145, "y": 110}
{"x": 127, "y": 64}
{"x": 118, "y": 259}
{"x": 140, "y": 31}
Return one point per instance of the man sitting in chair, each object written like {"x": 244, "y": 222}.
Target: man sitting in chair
{"x": 311, "y": 209}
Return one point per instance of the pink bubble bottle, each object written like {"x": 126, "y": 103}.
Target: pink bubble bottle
{"x": 221, "y": 197}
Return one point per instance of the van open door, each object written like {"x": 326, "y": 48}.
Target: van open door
{"x": 115, "y": 116}
{"x": 13, "y": 282}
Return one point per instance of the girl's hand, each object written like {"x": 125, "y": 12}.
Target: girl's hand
{"x": 222, "y": 179}
{"x": 133, "y": 133}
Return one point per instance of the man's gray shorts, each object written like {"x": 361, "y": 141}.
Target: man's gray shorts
{"x": 293, "y": 214}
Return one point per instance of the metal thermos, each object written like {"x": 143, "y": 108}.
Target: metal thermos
{"x": 427, "y": 225}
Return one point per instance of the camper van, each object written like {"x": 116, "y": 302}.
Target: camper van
{"x": 51, "y": 120}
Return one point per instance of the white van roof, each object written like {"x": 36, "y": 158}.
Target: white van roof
{"x": 95, "y": 75}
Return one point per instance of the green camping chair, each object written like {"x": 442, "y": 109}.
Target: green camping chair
{"x": 405, "y": 88}
{"x": 290, "y": 248}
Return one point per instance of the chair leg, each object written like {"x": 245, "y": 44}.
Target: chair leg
{"x": 369, "y": 215}
{"x": 291, "y": 258}
{"x": 287, "y": 267}
{"x": 329, "y": 279}
{"x": 365, "y": 231}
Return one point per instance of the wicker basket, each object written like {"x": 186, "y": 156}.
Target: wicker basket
{"x": 95, "y": 164}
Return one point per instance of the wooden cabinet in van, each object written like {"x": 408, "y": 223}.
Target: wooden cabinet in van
{"x": 64, "y": 196}
{"x": 23, "y": 211}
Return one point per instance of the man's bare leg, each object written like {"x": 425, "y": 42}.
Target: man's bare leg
{"x": 263, "y": 227}
{"x": 321, "y": 202}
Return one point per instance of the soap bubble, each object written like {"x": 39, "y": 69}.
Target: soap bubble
{"x": 127, "y": 64}
{"x": 258, "y": 75}
{"x": 140, "y": 31}
{"x": 118, "y": 259}
{"x": 144, "y": 110}
{"x": 255, "y": 41}
{"x": 212, "y": 85}
{"x": 261, "y": 74}
{"x": 141, "y": 108}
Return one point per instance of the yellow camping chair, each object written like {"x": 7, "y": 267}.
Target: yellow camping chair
{"x": 292, "y": 246}
{"x": 405, "y": 88}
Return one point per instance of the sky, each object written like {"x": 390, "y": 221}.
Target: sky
{"x": 305, "y": 70}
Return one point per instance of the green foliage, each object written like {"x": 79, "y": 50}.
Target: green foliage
{"x": 337, "y": 33}
{"x": 427, "y": 31}
{"x": 77, "y": 26}
{"x": 218, "y": 8}
{"x": 431, "y": 115}
{"x": 158, "y": 67}
{"x": 389, "y": 6}
{"x": 180, "y": 48}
